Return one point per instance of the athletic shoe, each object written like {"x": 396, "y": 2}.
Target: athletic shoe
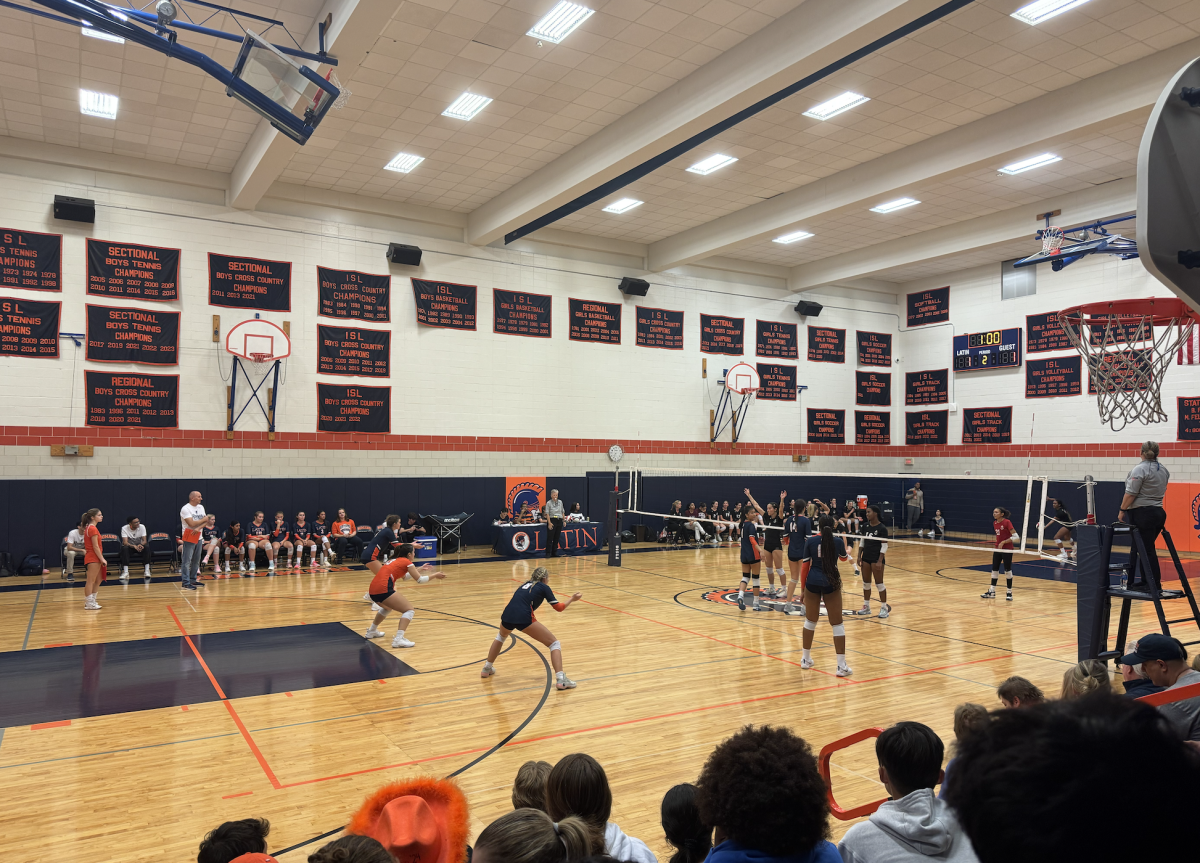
{"x": 741, "y": 601}
{"x": 90, "y": 604}
{"x": 125, "y": 571}
{"x": 372, "y": 632}
{"x": 70, "y": 578}
{"x": 147, "y": 573}
{"x": 198, "y": 584}
{"x": 242, "y": 567}
{"x": 376, "y": 607}
{"x": 487, "y": 670}
{"x": 298, "y": 566}
{"x": 1009, "y": 597}
{"x": 858, "y": 572}
{"x": 865, "y": 611}
{"x": 990, "y": 594}
{"x": 227, "y": 569}
{"x": 190, "y": 586}
{"x": 123, "y": 576}
{"x": 920, "y": 533}
{"x": 759, "y": 607}
{"x": 271, "y": 567}
{"x": 401, "y": 641}
{"x": 844, "y": 671}
{"x": 806, "y": 663}
{"x": 884, "y": 611}
{"x": 367, "y": 597}
{"x": 564, "y": 682}
{"x": 1062, "y": 555}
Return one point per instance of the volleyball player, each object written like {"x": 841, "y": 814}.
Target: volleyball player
{"x": 872, "y": 555}
{"x": 383, "y": 588}
{"x": 519, "y": 614}
{"x": 210, "y": 541}
{"x": 1002, "y": 557}
{"x": 773, "y": 544}
{"x": 258, "y": 535}
{"x": 234, "y": 542}
{"x": 281, "y": 533}
{"x": 798, "y": 528}
{"x": 751, "y": 555}
{"x": 301, "y": 539}
{"x": 1062, "y": 537}
{"x": 321, "y": 532}
{"x": 824, "y": 583}
{"x": 93, "y": 559}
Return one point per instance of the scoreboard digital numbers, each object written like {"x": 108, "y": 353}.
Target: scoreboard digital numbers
{"x": 994, "y": 349}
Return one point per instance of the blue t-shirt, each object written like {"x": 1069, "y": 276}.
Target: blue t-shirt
{"x": 525, "y": 601}
{"x": 379, "y": 545}
{"x": 812, "y": 553}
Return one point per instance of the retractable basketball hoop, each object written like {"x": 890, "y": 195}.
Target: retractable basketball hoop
{"x": 741, "y": 380}
{"x": 261, "y": 346}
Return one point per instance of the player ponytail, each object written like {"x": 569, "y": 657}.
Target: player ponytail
{"x": 1003, "y": 512}
{"x": 391, "y": 521}
{"x": 85, "y": 520}
{"x": 405, "y": 549}
{"x": 539, "y": 574}
{"x": 829, "y": 555}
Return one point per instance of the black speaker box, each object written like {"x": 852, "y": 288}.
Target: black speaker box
{"x": 398, "y": 253}
{"x": 634, "y": 287}
{"x": 806, "y": 308}
{"x": 74, "y": 209}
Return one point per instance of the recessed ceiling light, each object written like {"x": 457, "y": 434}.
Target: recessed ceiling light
{"x": 792, "y": 237}
{"x": 712, "y": 163}
{"x": 466, "y": 106}
{"x": 100, "y": 34}
{"x": 1039, "y": 11}
{"x": 1030, "y": 164}
{"x": 403, "y": 163}
{"x": 623, "y": 206}
{"x": 98, "y": 104}
{"x": 836, "y": 105}
{"x": 560, "y": 22}
{"x": 893, "y": 206}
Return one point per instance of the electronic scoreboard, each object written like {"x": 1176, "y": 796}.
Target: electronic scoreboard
{"x": 994, "y": 349}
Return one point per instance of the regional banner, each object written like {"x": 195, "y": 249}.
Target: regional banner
{"x": 873, "y": 427}
{"x": 594, "y": 321}
{"x": 249, "y": 283}
{"x": 353, "y": 408}
{"x": 355, "y": 295}
{"x": 121, "y": 399}
{"x": 353, "y": 351}
{"x": 131, "y": 271}
{"x": 121, "y": 335}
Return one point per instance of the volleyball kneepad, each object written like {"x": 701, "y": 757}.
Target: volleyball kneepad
{"x": 839, "y": 630}
{"x": 810, "y": 625}
{"x": 409, "y": 615}
{"x": 556, "y": 646}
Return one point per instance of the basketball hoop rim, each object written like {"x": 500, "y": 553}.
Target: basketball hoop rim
{"x": 1162, "y": 311}
{"x": 287, "y": 341}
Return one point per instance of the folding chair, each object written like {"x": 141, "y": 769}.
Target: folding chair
{"x": 163, "y": 547}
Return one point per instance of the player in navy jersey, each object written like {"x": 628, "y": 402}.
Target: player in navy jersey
{"x": 281, "y": 533}
{"x": 258, "y": 535}
{"x": 302, "y": 538}
{"x": 321, "y": 532}
{"x": 1062, "y": 537}
{"x": 519, "y": 615}
{"x": 872, "y": 555}
{"x": 234, "y": 542}
{"x": 798, "y": 529}
{"x": 383, "y": 595}
{"x": 751, "y": 556}
{"x": 772, "y": 546}
{"x": 823, "y": 583}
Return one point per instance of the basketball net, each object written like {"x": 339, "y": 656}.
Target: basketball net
{"x": 261, "y": 363}
{"x": 1052, "y": 240}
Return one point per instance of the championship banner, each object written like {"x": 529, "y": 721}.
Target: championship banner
{"x": 353, "y": 408}
{"x": 987, "y": 425}
{"x": 30, "y": 260}
{"x": 28, "y": 328}
{"x": 519, "y": 314}
{"x": 594, "y": 321}
{"x": 1188, "y": 427}
{"x": 355, "y": 295}
{"x": 927, "y": 388}
{"x": 873, "y": 428}
{"x": 925, "y": 427}
{"x": 778, "y": 382}
{"x": 773, "y": 339}
{"x": 1118, "y": 334}
{"x": 721, "y": 335}
{"x": 929, "y": 307}
{"x": 120, "y": 335}
{"x": 249, "y": 283}
{"x": 132, "y": 271}
{"x": 520, "y": 490}
{"x": 826, "y": 426}
{"x": 1129, "y": 370}
{"x": 874, "y": 349}
{"x": 826, "y": 345}
{"x": 659, "y": 328}
{"x": 444, "y": 304}
{"x": 353, "y": 351}
{"x": 873, "y": 388}
{"x": 132, "y": 399}
{"x": 1044, "y": 333}
{"x": 1050, "y": 378}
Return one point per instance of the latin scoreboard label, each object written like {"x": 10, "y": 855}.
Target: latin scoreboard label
{"x": 659, "y": 328}
{"x": 353, "y": 351}
{"x": 121, "y": 335}
{"x": 28, "y": 328}
{"x": 1188, "y": 427}
{"x": 516, "y": 313}
{"x": 1054, "y": 377}
{"x": 444, "y": 304}
{"x": 594, "y": 321}
{"x": 873, "y": 428}
{"x": 874, "y": 349}
{"x": 133, "y": 271}
{"x": 927, "y": 388}
{"x": 132, "y": 399}
{"x": 873, "y": 388}
{"x": 30, "y": 260}
{"x": 922, "y": 428}
{"x": 355, "y": 295}
{"x": 353, "y": 408}
{"x": 778, "y": 382}
{"x": 721, "y": 335}
{"x": 826, "y": 345}
{"x": 987, "y": 425}
{"x": 249, "y": 283}
{"x": 774, "y": 339}
{"x": 929, "y": 307}
{"x": 826, "y": 426}
{"x": 1044, "y": 333}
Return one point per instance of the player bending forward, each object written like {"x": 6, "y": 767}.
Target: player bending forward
{"x": 383, "y": 593}
{"x": 519, "y": 614}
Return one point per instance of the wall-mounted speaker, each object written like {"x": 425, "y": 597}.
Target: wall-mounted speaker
{"x": 807, "y": 309}
{"x": 634, "y": 287}
{"x": 74, "y": 209}
{"x": 398, "y": 253}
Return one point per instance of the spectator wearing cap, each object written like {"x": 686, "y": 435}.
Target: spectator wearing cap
{"x": 421, "y": 820}
{"x": 1164, "y": 660}
{"x": 234, "y": 840}
{"x": 1136, "y": 682}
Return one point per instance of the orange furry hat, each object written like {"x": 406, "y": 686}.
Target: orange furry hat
{"x": 421, "y": 820}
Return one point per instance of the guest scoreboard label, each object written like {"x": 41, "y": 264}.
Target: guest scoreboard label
{"x": 594, "y": 321}
{"x": 125, "y": 399}
{"x": 778, "y": 382}
{"x": 720, "y": 335}
{"x": 351, "y": 294}
{"x": 659, "y": 328}
{"x": 520, "y": 314}
{"x": 30, "y": 260}
{"x": 873, "y": 388}
{"x": 873, "y": 427}
{"x": 826, "y": 345}
{"x": 353, "y": 351}
{"x": 130, "y": 270}
{"x": 874, "y": 349}
{"x": 987, "y": 425}
{"x": 826, "y": 426}
{"x": 28, "y": 328}
{"x": 352, "y": 408}
{"x": 923, "y": 428}
{"x": 994, "y": 349}
{"x": 444, "y": 304}
{"x": 249, "y": 283}
{"x": 774, "y": 339}
{"x": 119, "y": 335}
{"x": 1056, "y": 377}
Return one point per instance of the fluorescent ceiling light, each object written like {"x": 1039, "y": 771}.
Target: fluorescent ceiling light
{"x": 403, "y": 163}
{"x": 466, "y": 106}
{"x": 116, "y": 13}
{"x": 623, "y": 206}
{"x": 836, "y": 105}
{"x": 560, "y": 22}
{"x": 1030, "y": 164}
{"x": 712, "y": 163}
{"x": 1040, "y": 10}
{"x": 792, "y": 237}
{"x": 893, "y": 206}
{"x": 98, "y": 104}
{"x": 100, "y": 34}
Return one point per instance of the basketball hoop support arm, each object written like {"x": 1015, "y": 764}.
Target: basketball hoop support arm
{"x": 736, "y": 416}
{"x": 268, "y": 412}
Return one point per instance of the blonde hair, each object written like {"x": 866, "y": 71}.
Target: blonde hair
{"x": 529, "y": 836}
{"x": 1150, "y": 449}
{"x": 539, "y": 574}
{"x": 969, "y": 718}
{"x": 529, "y": 788}
{"x": 1090, "y": 675}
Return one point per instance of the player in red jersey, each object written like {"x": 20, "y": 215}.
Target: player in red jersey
{"x": 1002, "y": 557}
{"x": 383, "y": 592}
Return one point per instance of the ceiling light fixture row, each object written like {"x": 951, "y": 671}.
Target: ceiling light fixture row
{"x": 836, "y": 106}
{"x": 1041, "y": 10}
{"x": 713, "y": 163}
{"x": 893, "y": 206}
{"x": 560, "y": 22}
{"x": 467, "y": 106}
{"x": 403, "y": 163}
{"x": 98, "y": 104}
{"x": 624, "y": 205}
{"x": 1030, "y": 164}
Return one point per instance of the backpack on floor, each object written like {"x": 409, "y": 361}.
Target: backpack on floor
{"x": 6, "y": 565}
{"x": 32, "y": 565}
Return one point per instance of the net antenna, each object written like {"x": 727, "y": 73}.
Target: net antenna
{"x": 743, "y": 382}
{"x": 1127, "y": 346}
{"x": 258, "y": 348}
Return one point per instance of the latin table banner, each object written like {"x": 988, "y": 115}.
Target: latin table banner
{"x": 873, "y": 388}
{"x": 351, "y": 294}
{"x": 353, "y": 351}
{"x": 133, "y": 271}
{"x": 132, "y": 399}
{"x": 249, "y": 283}
{"x": 519, "y": 314}
{"x": 30, "y": 260}
{"x": 826, "y": 426}
{"x": 927, "y": 388}
{"x": 874, "y": 349}
{"x": 28, "y": 328}
{"x": 1044, "y": 333}
{"x": 721, "y": 335}
{"x": 354, "y": 408}
{"x": 929, "y": 307}
{"x": 873, "y": 427}
{"x": 659, "y": 328}
{"x": 925, "y": 427}
{"x": 121, "y": 335}
{"x": 774, "y": 339}
{"x": 826, "y": 345}
{"x": 1129, "y": 370}
{"x": 444, "y": 304}
{"x": 1055, "y": 377}
{"x": 778, "y": 382}
{"x": 1189, "y": 419}
{"x": 595, "y": 321}
{"x": 987, "y": 425}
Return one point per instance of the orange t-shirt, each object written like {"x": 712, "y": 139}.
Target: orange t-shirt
{"x": 385, "y": 580}
{"x": 348, "y": 523}
{"x": 91, "y": 556}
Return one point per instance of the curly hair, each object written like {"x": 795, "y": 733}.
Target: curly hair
{"x": 762, "y": 790}
{"x": 234, "y": 838}
{"x": 352, "y": 849}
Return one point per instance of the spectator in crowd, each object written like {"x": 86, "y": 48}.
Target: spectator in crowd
{"x": 352, "y": 849}
{"x": 685, "y": 832}
{"x": 1136, "y": 682}
{"x": 505, "y": 517}
{"x": 577, "y": 785}
{"x": 529, "y": 788}
{"x": 420, "y": 820}
{"x": 1164, "y": 660}
{"x": 234, "y": 838}
{"x": 525, "y": 516}
{"x": 74, "y": 548}
{"x": 576, "y": 513}
{"x": 192, "y": 518}
{"x": 1037, "y": 785}
{"x": 674, "y": 523}
{"x": 1142, "y": 505}
{"x": 134, "y": 543}
{"x": 761, "y": 791}
{"x": 529, "y": 836}
{"x": 913, "y": 824}
{"x": 345, "y": 537}
{"x": 968, "y": 718}
{"x": 1019, "y": 692}
{"x": 554, "y": 522}
{"x": 914, "y": 500}
{"x": 411, "y": 530}
{"x": 1090, "y": 675}
{"x": 692, "y": 524}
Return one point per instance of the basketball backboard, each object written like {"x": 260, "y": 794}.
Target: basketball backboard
{"x": 1071, "y": 251}
{"x": 258, "y": 341}
{"x": 742, "y": 378}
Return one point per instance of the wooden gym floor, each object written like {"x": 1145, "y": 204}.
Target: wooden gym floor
{"x": 664, "y": 672}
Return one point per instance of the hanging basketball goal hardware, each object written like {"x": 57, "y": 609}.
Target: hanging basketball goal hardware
{"x": 741, "y": 380}
{"x": 258, "y": 348}
{"x": 1062, "y": 247}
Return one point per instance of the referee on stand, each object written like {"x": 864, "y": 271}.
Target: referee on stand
{"x": 554, "y": 522}
{"x": 1142, "y": 505}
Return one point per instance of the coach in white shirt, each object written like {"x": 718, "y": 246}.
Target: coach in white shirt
{"x": 192, "y": 517}
{"x": 134, "y": 542}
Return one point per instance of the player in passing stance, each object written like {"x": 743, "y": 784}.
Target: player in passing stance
{"x": 824, "y": 582}
{"x": 519, "y": 614}
{"x": 751, "y": 555}
{"x": 872, "y": 554}
{"x": 1062, "y": 537}
{"x": 258, "y": 535}
{"x": 1002, "y": 557}
{"x": 383, "y": 590}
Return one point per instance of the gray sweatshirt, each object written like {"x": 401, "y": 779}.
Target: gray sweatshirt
{"x": 919, "y": 827}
